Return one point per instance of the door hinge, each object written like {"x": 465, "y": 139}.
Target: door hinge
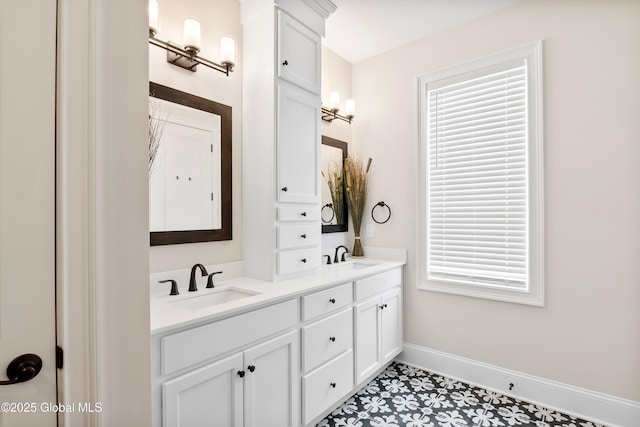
{"x": 59, "y": 357}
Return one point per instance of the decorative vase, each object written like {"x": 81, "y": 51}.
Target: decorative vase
{"x": 357, "y": 251}
{"x": 356, "y": 183}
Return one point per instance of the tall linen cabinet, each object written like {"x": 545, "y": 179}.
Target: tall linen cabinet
{"x": 281, "y": 136}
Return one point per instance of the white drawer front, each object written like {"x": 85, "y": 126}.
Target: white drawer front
{"x": 327, "y": 338}
{"x": 298, "y": 261}
{"x": 195, "y": 345}
{"x": 375, "y": 284}
{"x": 326, "y": 301}
{"x": 299, "y": 213}
{"x": 296, "y": 236}
{"x": 327, "y": 385}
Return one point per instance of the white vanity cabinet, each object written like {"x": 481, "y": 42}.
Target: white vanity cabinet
{"x": 378, "y": 322}
{"x": 281, "y": 134}
{"x": 285, "y": 363}
{"x": 197, "y": 381}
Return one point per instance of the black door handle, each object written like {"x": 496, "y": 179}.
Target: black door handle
{"x": 240, "y": 374}
{"x": 23, "y": 368}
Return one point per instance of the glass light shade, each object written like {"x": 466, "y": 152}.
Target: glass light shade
{"x": 334, "y": 100}
{"x": 350, "y": 107}
{"x": 227, "y": 51}
{"x": 191, "y": 35}
{"x": 153, "y": 16}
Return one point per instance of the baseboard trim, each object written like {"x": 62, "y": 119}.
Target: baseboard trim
{"x": 598, "y": 407}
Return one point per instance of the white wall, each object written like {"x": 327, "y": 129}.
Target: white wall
{"x": 588, "y": 333}
{"x": 218, "y": 18}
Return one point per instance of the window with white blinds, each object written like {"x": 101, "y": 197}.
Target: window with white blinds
{"x": 477, "y": 171}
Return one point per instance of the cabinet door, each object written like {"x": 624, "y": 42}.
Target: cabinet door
{"x": 367, "y": 338}
{"x": 391, "y": 324}
{"x": 298, "y": 53}
{"x": 271, "y": 389}
{"x": 208, "y": 396}
{"x": 298, "y": 145}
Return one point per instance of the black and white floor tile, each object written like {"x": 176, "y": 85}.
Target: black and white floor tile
{"x": 405, "y": 396}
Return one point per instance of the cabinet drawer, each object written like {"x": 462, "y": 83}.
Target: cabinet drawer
{"x": 326, "y": 301}
{"x": 375, "y": 284}
{"x": 327, "y": 385}
{"x": 195, "y": 345}
{"x": 298, "y": 261}
{"x": 299, "y": 213}
{"x": 327, "y": 338}
{"x": 296, "y": 236}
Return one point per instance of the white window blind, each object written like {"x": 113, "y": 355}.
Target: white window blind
{"x": 477, "y": 178}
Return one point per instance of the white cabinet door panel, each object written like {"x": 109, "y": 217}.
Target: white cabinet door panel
{"x": 367, "y": 338}
{"x": 271, "y": 393}
{"x": 298, "y": 53}
{"x": 298, "y": 145}
{"x": 209, "y": 396}
{"x": 391, "y": 325}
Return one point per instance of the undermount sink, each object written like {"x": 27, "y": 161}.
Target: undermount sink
{"x": 213, "y": 298}
{"x": 355, "y": 265}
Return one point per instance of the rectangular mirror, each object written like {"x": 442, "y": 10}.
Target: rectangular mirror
{"x": 189, "y": 168}
{"x": 334, "y": 213}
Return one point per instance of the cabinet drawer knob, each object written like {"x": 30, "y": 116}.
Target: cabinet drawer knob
{"x": 285, "y": 62}
{"x": 241, "y": 374}
{"x": 251, "y": 368}
{"x": 332, "y": 300}
{"x": 332, "y": 339}
{"x": 303, "y": 260}
{"x": 303, "y": 214}
{"x": 285, "y": 189}
{"x": 333, "y": 385}
{"x": 304, "y": 236}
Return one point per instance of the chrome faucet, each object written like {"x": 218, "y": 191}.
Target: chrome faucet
{"x": 346, "y": 251}
{"x": 192, "y": 282}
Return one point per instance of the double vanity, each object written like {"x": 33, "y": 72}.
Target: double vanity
{"x": 250, "y": 352}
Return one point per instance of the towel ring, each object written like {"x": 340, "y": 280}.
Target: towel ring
{"x": 333, "y": 213}
{"x": 382, "y": 204}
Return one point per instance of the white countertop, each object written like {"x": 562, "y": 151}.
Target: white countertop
{"x": 168, "y": 314}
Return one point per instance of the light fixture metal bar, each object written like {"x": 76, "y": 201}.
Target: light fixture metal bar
{"x": 178, "y": 56}
{"x": 331, "y": 115}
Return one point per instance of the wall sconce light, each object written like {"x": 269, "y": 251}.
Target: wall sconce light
{"x": 186, "y": 56}
{"x": 330, "y": 114}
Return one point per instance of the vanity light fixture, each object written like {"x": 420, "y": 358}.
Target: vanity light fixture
{"x": 330, "y": 114}
{"x": 186, "y": 55}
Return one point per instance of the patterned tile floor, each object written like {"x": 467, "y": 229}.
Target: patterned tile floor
{"x": 404, "y": 396}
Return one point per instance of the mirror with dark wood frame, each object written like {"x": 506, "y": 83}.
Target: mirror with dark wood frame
{"x": 334, "y": 213}
{"x": 190, "y": 173}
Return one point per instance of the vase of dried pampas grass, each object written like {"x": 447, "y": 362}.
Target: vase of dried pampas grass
{"x": 356, "y": 178}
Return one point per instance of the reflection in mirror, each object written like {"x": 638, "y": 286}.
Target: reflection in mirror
{"x": 190, "y": 173}
{"x": 334, "y": 205}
